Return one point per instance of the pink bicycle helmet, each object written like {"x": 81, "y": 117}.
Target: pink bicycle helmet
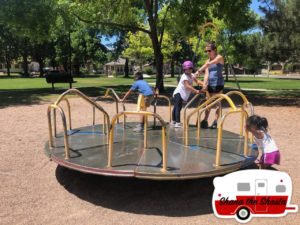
{"x": 187, "y": 65}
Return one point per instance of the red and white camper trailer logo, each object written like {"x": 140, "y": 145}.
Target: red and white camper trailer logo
{"x": 253, "y": 193}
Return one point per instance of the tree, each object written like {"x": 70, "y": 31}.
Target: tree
{"x": 142, "y": 16}
{"x": 28, "y": 20}
{"x": 139, "y": 48}
{"x": 8, "y": 47}
{"x": 281, "y": 28}
{"x": 149, "y": 17}
{"x": 86, "y": 48}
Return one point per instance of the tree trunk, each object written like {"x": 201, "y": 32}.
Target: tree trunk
{"x": 126, "y": 68}
{"x": 25, "y": 59}
{"x": 159, "y": 58}
{"x": 76, "y": 67}
{"x": 8, "y": 64}
{"x": 282, "y": 67}
{"x": 70, "y": 53}
{"x": 226, "y": 72}
{"x": 172, "y": 68}
{"x": 269, "y": 68}
{"x": 41, "y": 63}
{"x": 25, "y": 64}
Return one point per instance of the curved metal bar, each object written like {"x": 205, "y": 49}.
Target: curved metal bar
{"x": 69, "y": 115}
{"x": 206, "y": 105}
{"x": 245, "y": 103}
{"x": 239, "y": 94}
{"x": 251, "y": 112}
{"x": 69, "y": 112}
{"x": 118, "y": 100}
{"x": 155, "y": 105}
{"x": 105, "y": 97}
{"x": 146, "y": 114}
{"x": 114, "y": 93}
{"x": 250, "y": 107}
{"x": 220, "y": 134}
{"x": 141, "y": 103}
{"x": 88, "y": 100}
{"x": 63, "y": 117}
{"x": 186, "y": 107}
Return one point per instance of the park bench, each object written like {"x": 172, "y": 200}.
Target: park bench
{"x": 56, "y": 76}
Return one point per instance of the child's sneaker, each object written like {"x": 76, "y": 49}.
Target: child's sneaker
{"x": 178, "y": 125}
{"x": 173, "y": 123}
{"x": 214, "y": 125}
{"x": 204, "y": 124}
{"x": 139, "y": 128}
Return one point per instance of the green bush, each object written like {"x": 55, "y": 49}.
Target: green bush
{"x": 148, "y": 71}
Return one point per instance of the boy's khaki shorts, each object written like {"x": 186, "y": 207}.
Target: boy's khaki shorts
{"x": 148, "y": 100}
{"x": 146, "y": 103}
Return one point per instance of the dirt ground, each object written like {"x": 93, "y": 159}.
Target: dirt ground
{"x": 34, "y": 190}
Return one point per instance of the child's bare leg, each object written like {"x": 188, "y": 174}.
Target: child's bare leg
{"x": 142, "y": 119}
{"x": 264, "y": 166}
{"x": 206, "y": 114}
{"x": 218, "y": 110}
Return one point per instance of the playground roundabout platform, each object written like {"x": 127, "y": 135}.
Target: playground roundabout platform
{"x": 161, "y": 152}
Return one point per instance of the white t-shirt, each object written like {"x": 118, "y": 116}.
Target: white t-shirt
{"x": 266, "y": 144}
{"x": 181, "y": 89}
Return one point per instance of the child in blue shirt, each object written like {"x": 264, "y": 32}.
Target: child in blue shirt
{"x": 144, "y": 89}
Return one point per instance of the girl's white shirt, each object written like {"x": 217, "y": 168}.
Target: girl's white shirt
{"x": 181, "y": 89}
{"x": 266, "y": 144}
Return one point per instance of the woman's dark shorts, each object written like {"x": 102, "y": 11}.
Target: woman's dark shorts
{"x": 215, "y": 89}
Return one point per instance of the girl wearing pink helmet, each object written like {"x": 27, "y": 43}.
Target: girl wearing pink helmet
{"x": 183, "y": 91}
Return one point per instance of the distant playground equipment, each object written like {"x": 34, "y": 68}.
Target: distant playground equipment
{"x": 111, "y": 148}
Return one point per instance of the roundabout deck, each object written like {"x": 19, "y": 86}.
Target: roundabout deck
{"x": 89, "y": 152}
{"x": 160, "y": 152}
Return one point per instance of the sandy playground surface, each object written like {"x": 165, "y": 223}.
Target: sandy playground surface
{"x": 34, "y": 190}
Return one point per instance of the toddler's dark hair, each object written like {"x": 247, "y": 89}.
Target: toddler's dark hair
{"x": 258, "y": 122}
{"x": 138, "y": 76}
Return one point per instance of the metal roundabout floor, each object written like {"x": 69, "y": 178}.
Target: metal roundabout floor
{"x": 89, "y": 153}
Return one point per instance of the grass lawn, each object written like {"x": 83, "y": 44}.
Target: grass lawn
{"x": 15, "y": 91}
{"x": 11, "y": 84}
{"x": 265, "y": 83}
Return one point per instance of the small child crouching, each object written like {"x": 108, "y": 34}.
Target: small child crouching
{"x": 270, "y": 154}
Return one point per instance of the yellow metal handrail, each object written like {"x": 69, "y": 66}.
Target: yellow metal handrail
{"x": 206, "y": 105}
{"x": 56, "y": 106}
{"x": 140, "y": 103}
{"x": 188, "y": 104}
{"x": 220, "y": 134}
{"x": 88, "y": 100}
{"x": 114, "y": 93}
{"x": 69, "y": 115}
{"x": 245, "y": 100}
{"x": 209, "y": 104}
{"x": 169, "y": 105}
{"x": 63, "y": 117}
{"x": 244, "y": 105}
{"x": 146, "y": 114}
{"x": 99, "y": 98}
{"x": 117, "y": 98}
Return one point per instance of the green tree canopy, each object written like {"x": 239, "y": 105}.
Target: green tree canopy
{"x": 281, "y": 28}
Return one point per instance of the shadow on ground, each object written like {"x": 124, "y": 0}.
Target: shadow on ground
{"x": 168, "y": 198}
{"x": 36, "y": 96}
